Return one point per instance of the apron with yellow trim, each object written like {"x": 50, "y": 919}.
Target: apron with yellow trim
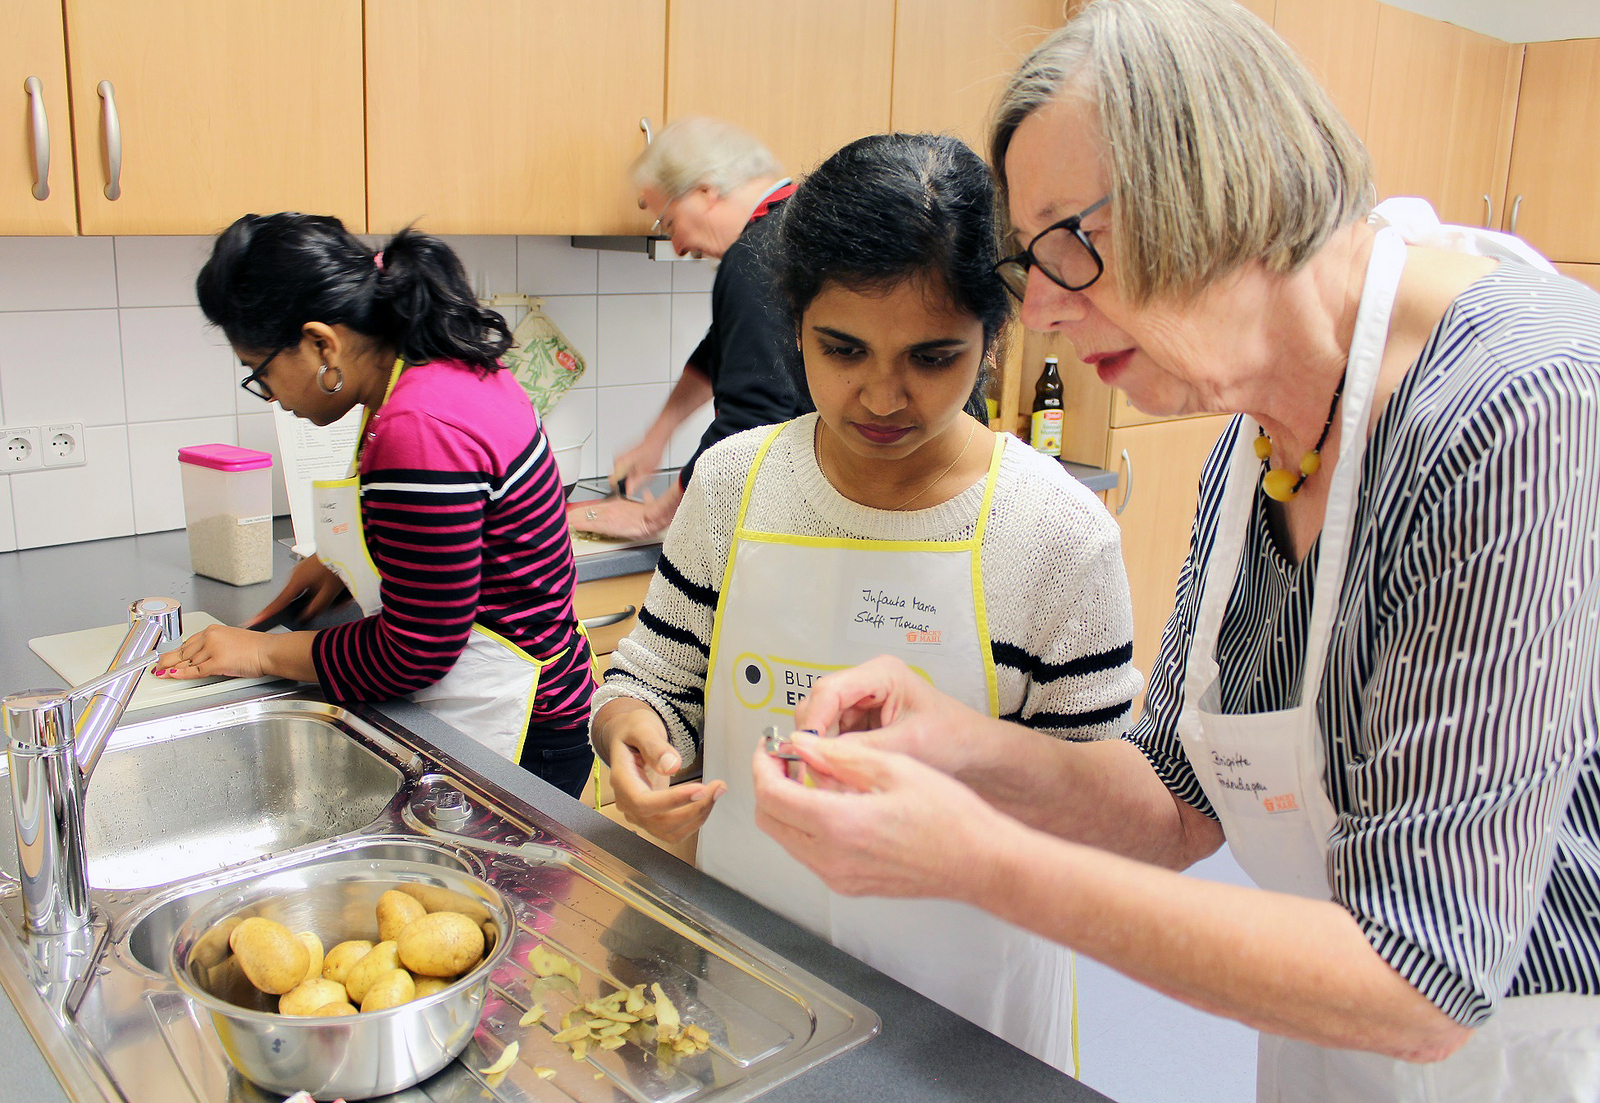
{"x": 489, "y": 693}
{"x": 793, "y": 608}
{"x": 1264, "y": 774}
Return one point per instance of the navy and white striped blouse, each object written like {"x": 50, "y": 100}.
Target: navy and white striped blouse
{"x": 1461, "y": 700}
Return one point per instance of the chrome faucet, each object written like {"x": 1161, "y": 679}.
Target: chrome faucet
{"x": 52, "y": 756}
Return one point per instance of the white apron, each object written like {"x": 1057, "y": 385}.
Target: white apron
{"x": 489, "y": 693}
{"x": 1264, "y": 775}
{"x": 793, "y": 608}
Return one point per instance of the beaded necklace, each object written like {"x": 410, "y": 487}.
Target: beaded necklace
{"x": 1281, "y": 485}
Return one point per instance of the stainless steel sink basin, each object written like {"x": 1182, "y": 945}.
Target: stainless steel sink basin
{"x": 198, "y": 807}
{"x": 171, "y": 799}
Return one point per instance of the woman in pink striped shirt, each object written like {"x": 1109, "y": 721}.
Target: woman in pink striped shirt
{"x": 450, "y": 533}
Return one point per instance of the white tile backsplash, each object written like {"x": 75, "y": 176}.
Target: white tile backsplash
{"x": 8, "y": 528}
{"x": 260, "y": 431}
{"x": 153, "y": 466}
{"x": 57, "y": 273}
{"x": 175, "y": 366}
{"x": 633, "y": 273}
{"x": 159, "y": 271}
{"x": 624, "y": 413}
{"x": 61, "y": 366}
{"x": 490, "y": 261}
{"x": 106, "y": 331}
{"x": 691, "y": 317}
{"x": 693, "y": 275}
{"x": 687, "y": 438}
{"x": 635, "y": 340}
{"x": 575, "y": 418}
{"x": 64, "y": 505}
{"x": 551, "y": 266}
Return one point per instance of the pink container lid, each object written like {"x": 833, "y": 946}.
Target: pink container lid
{"x": 224, "y": 457}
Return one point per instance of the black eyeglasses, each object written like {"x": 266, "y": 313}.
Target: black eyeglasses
{"x": 254, "y": 383}
{"x": 1061, "y": 251}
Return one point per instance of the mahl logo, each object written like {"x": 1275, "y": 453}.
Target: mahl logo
{"x": 923, "y": 637}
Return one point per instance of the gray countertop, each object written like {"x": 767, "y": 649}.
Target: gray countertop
{"x": 924, "y": 1053}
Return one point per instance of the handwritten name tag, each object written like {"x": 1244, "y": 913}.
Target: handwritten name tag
{"x": 894, "y": 614}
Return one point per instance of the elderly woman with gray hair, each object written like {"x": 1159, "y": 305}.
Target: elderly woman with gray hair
{"x": 1380, "y": 684}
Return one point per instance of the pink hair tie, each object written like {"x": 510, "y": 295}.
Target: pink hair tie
{"x": 378, "y": 260}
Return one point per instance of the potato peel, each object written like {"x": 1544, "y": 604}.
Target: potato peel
{"x": 532, "y": 1015}
{"x": 508, "y": 1057}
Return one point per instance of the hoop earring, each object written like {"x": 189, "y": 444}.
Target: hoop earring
{"x": 322, "y": 383}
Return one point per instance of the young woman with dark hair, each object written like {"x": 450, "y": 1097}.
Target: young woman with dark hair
{"x": 890, "y": 521}
{"x": 450, "y": 532}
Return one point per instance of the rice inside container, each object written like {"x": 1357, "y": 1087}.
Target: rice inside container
{"x": 227, "y": 506}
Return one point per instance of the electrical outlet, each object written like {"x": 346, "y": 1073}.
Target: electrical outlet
{"x": 62, "y": 445}
{"x": 19, "y": 449}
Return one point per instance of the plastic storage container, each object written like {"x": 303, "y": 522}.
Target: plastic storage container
{"x": 227, "y": 503}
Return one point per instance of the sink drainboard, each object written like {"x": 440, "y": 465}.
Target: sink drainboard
{"x": 138, "y": 1039}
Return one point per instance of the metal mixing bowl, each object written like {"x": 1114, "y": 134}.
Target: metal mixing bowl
{"x": 354, "y": 1056}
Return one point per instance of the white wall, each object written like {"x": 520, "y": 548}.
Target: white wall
{"x": 106, "y": 331}
{"x": 1515, "y": 20}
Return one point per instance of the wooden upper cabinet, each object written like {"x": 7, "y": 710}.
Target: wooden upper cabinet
{"x": 1266, "y": 9}
{"x": 952, "y": 58}
{"x": 33, "y": 49}
{"x": 504, "y": 116}
{"x": 222, "y": 108}
{"x": 1555, "y": 157}
{"x": 804, "y": 78}
{"x": 1439, "y": 126}
{"x": 1336, "y": 38}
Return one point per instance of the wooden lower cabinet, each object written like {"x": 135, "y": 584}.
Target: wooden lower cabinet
{"x": 1154, "y": 503}
{"x": 609, "y": 608}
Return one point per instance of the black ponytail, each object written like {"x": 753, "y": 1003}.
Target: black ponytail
{"x": 268, "y": 275}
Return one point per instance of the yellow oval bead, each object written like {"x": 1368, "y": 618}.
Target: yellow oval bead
{"x": 1263, "y": 447}
{"x": 1279, "y": 485}
{"x": 1310, "y": 463}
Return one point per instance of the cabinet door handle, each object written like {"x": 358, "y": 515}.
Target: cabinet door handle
{"x": 41, "y": 138}
{"x": 644, "y": 125}
{"x": 1516, "y": 209}
{"x": 606, "y": 620}
{"x": 1488, "y": 212}
{"x": 113, "y": 142}
{"x": 1127, "y": 487}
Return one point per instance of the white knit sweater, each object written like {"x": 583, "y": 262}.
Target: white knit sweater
{"x": 1060, "y": 618}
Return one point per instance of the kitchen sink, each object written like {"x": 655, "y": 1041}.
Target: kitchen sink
{"x": 184, "y": 811}
{"x": 176, "y": 797}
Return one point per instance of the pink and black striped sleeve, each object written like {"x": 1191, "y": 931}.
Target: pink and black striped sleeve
{"x": 425, "y": 486}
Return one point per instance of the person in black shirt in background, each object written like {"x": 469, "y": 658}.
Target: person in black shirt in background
{"x": 711, "y": 187}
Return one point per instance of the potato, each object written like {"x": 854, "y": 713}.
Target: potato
{"x": 329, "y": 1010}
{"x": 390, "y": 990}
{"x": 306, "y": 997}
{"x": 342, "y": 958}
{"x": 314, "y": 948}
{"x": 395, "y": 910}
{"x": 378, "y": 961}
{"x": 273, "y": 958}
{"x": 438, "y": 899}
{"x": 427, "y": 986}
{"x": 441, "y": 944}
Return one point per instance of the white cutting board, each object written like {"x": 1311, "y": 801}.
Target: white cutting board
{"x": 79, "y": 656}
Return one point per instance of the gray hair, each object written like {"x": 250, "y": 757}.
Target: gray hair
{"x": 699, "y": 150}
{"x": 1221, "y": 148}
